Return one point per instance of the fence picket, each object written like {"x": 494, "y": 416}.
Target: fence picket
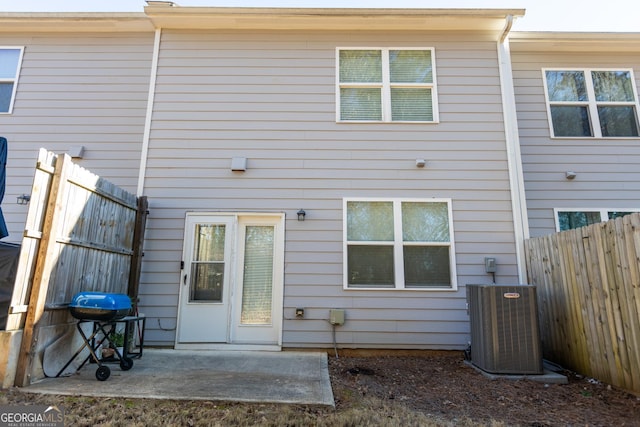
{"x": 628, "y": 276}
{"x": 596, "y": 313}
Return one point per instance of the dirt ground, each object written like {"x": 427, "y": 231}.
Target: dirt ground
{"x": 433, "y": 389}
{"x": 443, "y": 386}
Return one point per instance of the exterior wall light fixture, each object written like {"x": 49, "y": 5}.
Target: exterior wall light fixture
{"x": 301, "y": 214}
{"x": 23, "y": 199}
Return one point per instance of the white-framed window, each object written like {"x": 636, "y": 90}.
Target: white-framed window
{"x": 591, "y": 103}
{"x": 386, "y": 85}
{"x": 398, "y": 244}
{"x": 568, "y": 219}
{"x": 10, "y": 62}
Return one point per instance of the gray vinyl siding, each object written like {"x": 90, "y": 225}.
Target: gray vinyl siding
{"x": 608, "y": 169}
{"x": 270, "y": 97}
{"x": 76, "y": 89}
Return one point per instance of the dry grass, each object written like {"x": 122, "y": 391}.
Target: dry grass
{"x": 109, "y": 412}
{"x": 426, "y": 390}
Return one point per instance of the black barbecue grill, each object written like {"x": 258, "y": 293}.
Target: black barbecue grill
{"x": 103, "y": 310}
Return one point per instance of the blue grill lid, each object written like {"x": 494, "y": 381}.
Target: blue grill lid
{"x": 101, "y": 301}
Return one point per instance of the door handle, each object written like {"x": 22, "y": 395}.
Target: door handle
{"x": 184, "y": 280}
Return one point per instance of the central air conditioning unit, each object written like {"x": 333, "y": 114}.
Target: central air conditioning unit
{"x": 505, "y": 336}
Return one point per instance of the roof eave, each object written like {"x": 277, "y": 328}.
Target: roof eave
{"x": 558, "y": 41}
{"x": 74, "y": 22}
{"x": 220, "y": 18}
{"x": 329, "y": 18}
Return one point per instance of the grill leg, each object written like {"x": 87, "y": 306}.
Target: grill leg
{"x": 87, "y": 343}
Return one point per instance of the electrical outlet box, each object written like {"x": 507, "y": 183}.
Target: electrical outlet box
{"x": 490, "y": 265}
{"x": 299, "y": 312}
{"x": 336, "y": 316}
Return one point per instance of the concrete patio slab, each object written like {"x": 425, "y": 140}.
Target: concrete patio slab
{"x": 241, "y": 376}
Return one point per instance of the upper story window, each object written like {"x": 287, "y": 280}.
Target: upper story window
{"x": 568, "y": 219}
{"x": 10, "y": 60}
{"x": 386, "y": 85}
{"x": 398, "y": 244}
{"x": 592, "y": 103}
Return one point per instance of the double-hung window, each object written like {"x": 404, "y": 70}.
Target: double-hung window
{"x": 568, "y": 219}
{"x": 386, "y": 85}
{"x": 592, "y": 103}
{"x": 398, "y": 244}
{"x": 10, "y": 60}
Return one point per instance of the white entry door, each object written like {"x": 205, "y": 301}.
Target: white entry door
{"x": 232, "y": 280}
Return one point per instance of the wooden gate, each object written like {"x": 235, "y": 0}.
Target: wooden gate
{"x": 82, "y": 233}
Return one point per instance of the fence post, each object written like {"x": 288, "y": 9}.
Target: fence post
{"x": 138, "y": 249}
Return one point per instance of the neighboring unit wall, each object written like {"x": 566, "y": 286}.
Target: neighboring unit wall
{"x": 76, "y": 89}
{"x": 270, "y": 97}
{"x": 607, "y": 169}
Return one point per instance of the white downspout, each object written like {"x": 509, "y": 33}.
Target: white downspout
{"x": 147, "y": 122}
{"x": 514, "y": 159}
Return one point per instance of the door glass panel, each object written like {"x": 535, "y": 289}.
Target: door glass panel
{"x": 209, "y": 242}
{"x": 257, "y": 284}
{"x": 206, "y": 282}
{"x": 207, "y": 268}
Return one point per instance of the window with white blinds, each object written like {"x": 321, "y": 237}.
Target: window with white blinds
{"x": 386, "y": 85}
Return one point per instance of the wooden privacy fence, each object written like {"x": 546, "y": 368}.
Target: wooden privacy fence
{"x": 588, "y": 283}
{"x": 82, "y": 233}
